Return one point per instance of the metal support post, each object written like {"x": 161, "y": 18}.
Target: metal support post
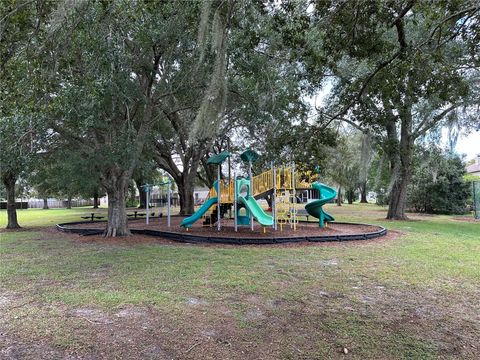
{"x": 168, "y": 201}
{"x": 274, "y": 197}
{"x": 147, "y": 189}
{"x": 251, "y": 190}
{"x": 235, "y": 221}
{"x": 219, "y": 195}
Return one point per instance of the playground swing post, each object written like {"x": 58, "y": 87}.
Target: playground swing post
{"x": 148, "y": 208}
{"x": 274, "y": 196}
{"x": 292, "y": 217}
{"x": 147, "y": 188}
{"x": 251, "y": 190}
{"x": 219, "y": 196}
{"x": 235, "y": 222}
{"x": 168, "y": 202}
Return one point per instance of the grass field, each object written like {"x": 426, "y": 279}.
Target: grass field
{"x": 413, "y": 295}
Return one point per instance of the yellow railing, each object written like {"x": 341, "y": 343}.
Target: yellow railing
{"x": 226, "y": 192}
{"x": 264, "y": 182}
{"x": 284, "y": 179}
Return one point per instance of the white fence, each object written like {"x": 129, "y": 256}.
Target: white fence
{"x": 55, "y": 203}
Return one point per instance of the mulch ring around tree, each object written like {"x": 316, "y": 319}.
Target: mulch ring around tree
{"x": 304, "y": 232}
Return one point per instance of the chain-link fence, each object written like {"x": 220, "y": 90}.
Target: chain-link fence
{"x": 476, "y": 198}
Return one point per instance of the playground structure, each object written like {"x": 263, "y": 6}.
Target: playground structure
{"x": 291, "y": 193}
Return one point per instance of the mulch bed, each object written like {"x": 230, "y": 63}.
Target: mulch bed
{"x": 244, "y": 235}
{"x": 302, "y": 229}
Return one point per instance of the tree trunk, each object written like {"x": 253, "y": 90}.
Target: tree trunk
{"x": 398, "y": 197}
{"x": 363, "y": 192}
{"x": 45, "y": 204}
{"x": 9, "y": 181}
{"x": 96, "y": 201}
{"x": 339, "y": 196}
{"x": 117, "y": 224}
{"x": 69, "y": 202}
{"x": 350, "y": 196}
{"x": 401, "y": 165}
{"x": 141, "y": 191}
{"x": 185, "y": 191}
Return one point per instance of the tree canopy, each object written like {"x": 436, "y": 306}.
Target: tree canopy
{"x": 95, "y": 94}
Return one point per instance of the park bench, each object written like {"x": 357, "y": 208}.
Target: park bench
{"x": 303, "y": 212}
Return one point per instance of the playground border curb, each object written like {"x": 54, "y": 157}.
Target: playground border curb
{"x": 199, "y": 239}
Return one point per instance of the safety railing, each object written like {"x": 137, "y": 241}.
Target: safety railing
{"x": 226, "y": 191}
{"x": 262, "y": 182}
{"x": 284, "y": 180}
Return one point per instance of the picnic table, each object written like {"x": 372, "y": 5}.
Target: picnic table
{"x": 92, "y": 216}
{"x": 136, "y": 213}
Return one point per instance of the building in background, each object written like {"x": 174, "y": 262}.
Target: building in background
{"x": 474, "y": 169}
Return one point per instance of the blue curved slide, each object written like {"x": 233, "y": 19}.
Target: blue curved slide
{"x": 315, "y": 209}
{"x": 188, "y": 222}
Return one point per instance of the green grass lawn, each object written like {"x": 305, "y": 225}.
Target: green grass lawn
{"x": 413, "y": 295}
{"x": 39, "y": 217}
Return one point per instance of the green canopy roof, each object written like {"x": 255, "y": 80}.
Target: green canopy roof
{"x": 249, "y": 155}
{"x": 219, "y": 158}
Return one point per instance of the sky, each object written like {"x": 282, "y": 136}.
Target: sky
{"x": 466, "y": 144}
{"x": 469, "y": 145}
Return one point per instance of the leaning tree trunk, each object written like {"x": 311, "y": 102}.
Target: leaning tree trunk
{"x": 141, "y": 191}
{"x": 401, "y": 166}
{"x": 45, "y": 204}
{"x": 117, "y": 224}
{"x": 9, "y": 181}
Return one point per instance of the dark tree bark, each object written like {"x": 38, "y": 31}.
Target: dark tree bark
{"x": 184, "y": 179}
{"x": 96, "y": 201}
{"x": 139, "y": 181}
{"x": 185, "y": 191}
{"x": 400, "y": 163}
{"x": 339, "y": 196}
{"x": 69, "y": 202}
{"x": 350, "y": 194}
{"x": 363, "y": 192}
{"x": 117, "y": 191}
{"x": 398, "y": 196}
{"x": 45, "y": 204}
{"x": 9, "y": 181}
{"x": 210, "y": 175}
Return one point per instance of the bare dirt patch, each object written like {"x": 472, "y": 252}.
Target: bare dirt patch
{"x": 467, "y": 219}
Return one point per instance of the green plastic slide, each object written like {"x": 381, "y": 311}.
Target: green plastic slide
{"x": 254, "y": 207}
{"x": 315, "y": 209}
{"x": 188, "y": 222}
